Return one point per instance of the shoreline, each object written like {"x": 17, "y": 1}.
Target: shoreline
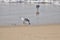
{"x": 43, "y": 25}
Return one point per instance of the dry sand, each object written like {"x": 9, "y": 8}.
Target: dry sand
{"x": 27, "y": 32}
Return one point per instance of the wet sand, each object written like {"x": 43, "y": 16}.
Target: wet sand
{"x": 30, "y": 32}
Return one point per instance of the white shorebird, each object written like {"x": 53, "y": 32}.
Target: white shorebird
{"x": 25, "y": 20}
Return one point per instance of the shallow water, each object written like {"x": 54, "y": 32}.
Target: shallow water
{"x": 11, "y": 13}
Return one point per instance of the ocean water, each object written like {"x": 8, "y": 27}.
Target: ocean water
{"x": 11, "y": 13}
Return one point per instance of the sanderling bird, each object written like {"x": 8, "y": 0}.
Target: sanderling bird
{"x": 25, "y": 20}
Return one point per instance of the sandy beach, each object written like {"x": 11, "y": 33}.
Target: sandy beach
{"x": 11, "y": 14}
{"x": 30, "y": 32}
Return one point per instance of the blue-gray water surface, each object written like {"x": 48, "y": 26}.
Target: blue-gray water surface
{"x": 11, "y": 13}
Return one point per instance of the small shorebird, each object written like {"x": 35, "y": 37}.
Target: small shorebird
{"x": 37, "y": 6}
{"x": 25, "y": 20}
